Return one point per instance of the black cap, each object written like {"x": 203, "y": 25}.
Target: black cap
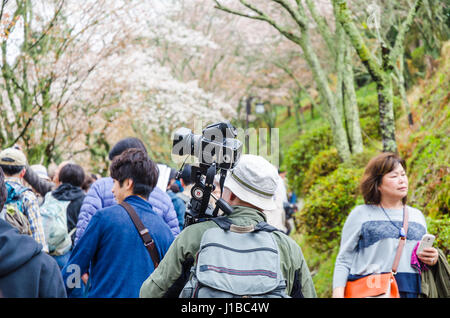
{"x": 125, "y": 144}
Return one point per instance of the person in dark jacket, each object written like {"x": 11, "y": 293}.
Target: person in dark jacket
{"x": 25, "y": 271}
{"x": 71, "y": 177}
{"x": 175, "y": 190}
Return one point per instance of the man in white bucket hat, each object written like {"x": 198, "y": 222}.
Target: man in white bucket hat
{"x": 249, "y": 189}
{"x": 253, "y": 181}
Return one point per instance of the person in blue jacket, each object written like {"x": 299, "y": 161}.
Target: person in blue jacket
{"x": 111, "y": 247}
{"x": 25, "y": 270}
{"x": 100, "y": 196}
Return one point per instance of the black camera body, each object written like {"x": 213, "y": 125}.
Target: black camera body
{"x": 217, "y": 144}
{"x": 218, "y": 150}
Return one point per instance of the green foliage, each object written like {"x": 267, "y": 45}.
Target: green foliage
{"x": 440, "y": 227}
{"x": 417, "y": 59}
{"x": 301, "y": 153}
{"x": 327, "y": 205}
{"x": 99, "y": 150}
{"x": 428, "y": 148}
{"x": 430, "y": 175}
{"x": 321, "y": 265}
{"x": 321, "y": 165}
{"x": 367, "y": 99}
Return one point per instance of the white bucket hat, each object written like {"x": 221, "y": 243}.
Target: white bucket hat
{"x": 254, "y": 180}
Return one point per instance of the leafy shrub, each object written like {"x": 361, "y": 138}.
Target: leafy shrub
{"x": 320, "y": 264}
{"x": 302, "y": 151}
{"x": 360, "y": 160}
{"x": 417, "y": 64}
{"x": 440, "y": 227}
{"x": 327, "y": 205}
{"x": 321, "y": 165}
{"x": 429, "y": 175}
{"x": 369, "y": 114}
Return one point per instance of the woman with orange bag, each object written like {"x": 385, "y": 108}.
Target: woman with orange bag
{"x": 378, "y": 238}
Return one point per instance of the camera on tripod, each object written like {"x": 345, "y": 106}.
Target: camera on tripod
{"x": 217, "y": 150}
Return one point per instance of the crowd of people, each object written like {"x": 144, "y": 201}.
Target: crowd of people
{"x": 70, "y": 233}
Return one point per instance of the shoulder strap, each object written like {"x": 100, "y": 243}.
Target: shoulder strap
{"x": 143, "y": 232}
{"x": 402, "y": 241}
{"x": 225, "y": 224}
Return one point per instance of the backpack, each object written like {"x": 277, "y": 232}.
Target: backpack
{"x": 54, "y": 221}
{"x": 12, "y": 211}
{"x": 236, "y": 261}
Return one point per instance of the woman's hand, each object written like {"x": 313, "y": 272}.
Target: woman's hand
{"x": 429, "y": 256}
{"x": 85, "y": 278}
{"x": 338, "y": 292}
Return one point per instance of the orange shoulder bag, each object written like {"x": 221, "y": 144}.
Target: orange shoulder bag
{"x": 379, "y": 285}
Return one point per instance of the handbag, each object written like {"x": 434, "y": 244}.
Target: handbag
{"x": 379, "y": 285}
{"x": 149, "y": 243}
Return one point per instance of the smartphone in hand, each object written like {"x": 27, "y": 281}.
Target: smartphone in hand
{"x": 427, "y": 241}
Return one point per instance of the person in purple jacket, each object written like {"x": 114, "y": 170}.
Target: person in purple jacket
{"x": 100, "y": 195}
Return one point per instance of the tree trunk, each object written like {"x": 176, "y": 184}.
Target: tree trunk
{"x": 334, "y": 118}
{"x": 380, "y": 75}
{"x": 402, "y": 89}
{"x": 386, "y": 111}
{"x": 340, "y": 68}
{"x": 351, "y": 106}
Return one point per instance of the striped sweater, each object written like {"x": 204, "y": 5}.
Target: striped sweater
{"x": 369, "y": 242}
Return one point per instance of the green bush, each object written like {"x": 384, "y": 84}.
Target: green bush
{"x": 440, "y": 227}
{"x": 302, "y": 151}
{"x": 369, "y": 117}
{"x": 321, "y": 165}
{"x": 429, "y": 175}
{"x": 327, "y": 205}
{"x": 320, "y": 264}
{"x": 418, "y": 61}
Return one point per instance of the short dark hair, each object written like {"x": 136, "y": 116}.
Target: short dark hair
{"x": 373, "y": 174}
{"x": 88, "y": 181}
{"x": 11, "y": 170}
{"x": 3, "y": 191}
{"x": 124, "y": 144}
{"x": 186, "y": 174}
{"x": 72, "y": 173}
{"x": 134, "y": 164}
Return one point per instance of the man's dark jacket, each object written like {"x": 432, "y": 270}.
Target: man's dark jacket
{"x": 26, "y": 271}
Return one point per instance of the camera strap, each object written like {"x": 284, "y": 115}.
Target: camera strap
{"x": 223, "y": 174}
{"x": 209, "y": 184}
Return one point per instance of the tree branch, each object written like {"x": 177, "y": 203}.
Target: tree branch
{"x": 344, "y": 17}
{"x": 293, "y": 13}
{"x": 260, "y": 16}
{"x": 323, "y": 27}
{"x": 404, "y": 27}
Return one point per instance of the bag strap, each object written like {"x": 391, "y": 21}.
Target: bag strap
{"x": 149, "y": 243}
{"x": 402, "y": 241}
{"x": 226, "y": 225}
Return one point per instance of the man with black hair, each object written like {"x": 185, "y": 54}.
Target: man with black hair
{"x": 100, "y": 196}
{"x": 111, "y": 247}
{"x": 175, "y": 191}
{"x": 25, "y": 271}
{"x": 13, "y": 163}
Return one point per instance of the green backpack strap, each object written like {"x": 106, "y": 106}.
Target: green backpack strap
{"x": 227, "y": 225}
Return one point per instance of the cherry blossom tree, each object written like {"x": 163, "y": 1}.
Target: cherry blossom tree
{"x": 87, "y": 69}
